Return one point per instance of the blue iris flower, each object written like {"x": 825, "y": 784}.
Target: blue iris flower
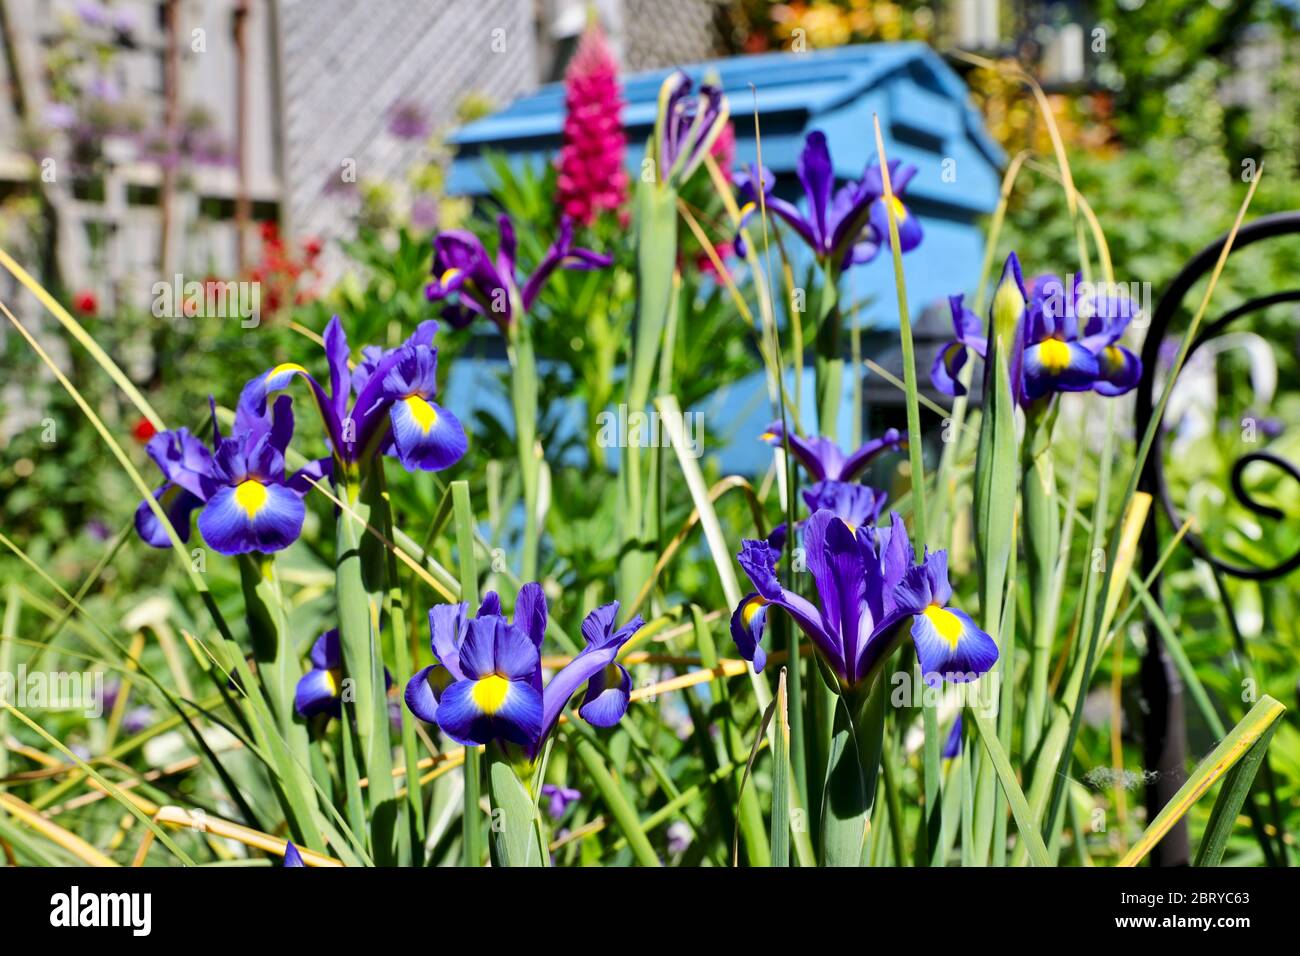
{"x": 246, "y": 501}
{"x": 1067, "y": 339}
{"x": 385, "y": 405}
{"x": 868, "y": 586}
{"x": 844, "y": 227}
{"x": 487, "y": 682}
{"x": 320, "y": 690}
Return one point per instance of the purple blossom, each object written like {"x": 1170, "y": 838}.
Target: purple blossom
{"x": 868, "y": 586}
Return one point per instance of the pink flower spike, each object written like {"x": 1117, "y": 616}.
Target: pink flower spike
{"x": 591, "y": 177}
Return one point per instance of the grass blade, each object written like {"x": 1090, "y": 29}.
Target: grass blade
{"x": 780, "y": 838}
{"x": 1236, "y": 787}
{"x": 1233, "y": 748}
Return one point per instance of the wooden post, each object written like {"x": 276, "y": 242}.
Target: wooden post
{"x": 243, "y": 205}
{"x": 171, "y": 110}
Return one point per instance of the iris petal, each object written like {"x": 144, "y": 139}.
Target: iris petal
{"x": 948, "y": 363}
{"x": 317, "y": 693}
{"x": 909, "y": 227}
{"x": 326, "y": 651}
{"x": 1119, "y": 371}
{"x": 818, "y": 178}
{"x": 603, "y": 644}
{"x": 448, "y": 625}
{"x": 608, "y": 693}
{"x": 530, "y": 612}
{"x": 424, "y": 689}
{"x": 516, "y": 713}
{"x": 236, "y": 522}
{"x": 178, "y": 504}
{"x": 495, "y": 646}
{"x": 950, "y": 646}
{"x": 1054, "y": 365}
{"x": 748, "y": 622}
{"x": 952, "y": 748}
{"x": 427, "y": 437}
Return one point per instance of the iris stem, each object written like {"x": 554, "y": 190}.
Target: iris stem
{"x": 829, "y": 366}
{"x": 278, "y": 674}
{"x": 852, "y": 772}
{"x": 523, "y": 390}
{"x": 360, "y": 587}
{"x": 471, "y": 838}
{"x": 1042, "y": 532}
{"x": 656, "y": 241}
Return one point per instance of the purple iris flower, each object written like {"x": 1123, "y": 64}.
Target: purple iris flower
{"x": 1067, "y": 339}
{"x": 488, "y": 287}
{"x": 824, "y": 460}
{"x": 952, "y": 746}
{"x": 320, "y": 690}
{"x": 687, "y": 125}
{"x": 248, "y": 503}
{"x": 392, "y": 409}
{"x": 487, "y": 682}
{"x": 868, "y": 585}
{"x": 1105, "y": 314}
{"x": 558, "y": 799}
{"x": 952, "y": 357}
{"x": 846, "y": 227}
{"x": 1054, "y": 360}
{"x": 291, "y": 856}
{"x": 856, "y": 505}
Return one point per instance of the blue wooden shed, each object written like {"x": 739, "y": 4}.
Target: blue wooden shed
{"x": 926, "y": 118}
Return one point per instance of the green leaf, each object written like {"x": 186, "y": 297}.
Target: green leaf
{"x": 856, "y": 743}
{"x": 471, "y": 838}
{"x": 1029, "y": 835}
{"x": 1233, "y": 793}
{"x": 516, "y": 828}
{"x": 780, "y": 839}
{"x": 1240, "y": 741}
{"x": 616, "y": 803}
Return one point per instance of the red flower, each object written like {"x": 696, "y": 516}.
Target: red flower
{"x": 86, "y": 303}
{"x": 143, "y": 430}
{"x": 591, "y": 174}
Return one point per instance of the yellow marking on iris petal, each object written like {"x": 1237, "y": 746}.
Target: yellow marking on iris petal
{"x": 746, "y": 209}
{"x": 752, "y": 607}
{"x": 490, "y": 693}
{"x": 285, "y": 367}
{"x": 332, "y": 677}
{"x": 946, "y": 624}
{"x": 900, "y": 211}
{"x": 1114, "y": 358}
{"x": 449, "y": 275}
{"x": 851, "y": 526}
{"x": 1055, "y": 355}
{"x": 767, "y": 436}
{"x": 251, "y": 496}
{"x": 425, "y": 415}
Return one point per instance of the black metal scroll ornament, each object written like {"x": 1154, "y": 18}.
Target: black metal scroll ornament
{"x": 1164, "y": 731}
